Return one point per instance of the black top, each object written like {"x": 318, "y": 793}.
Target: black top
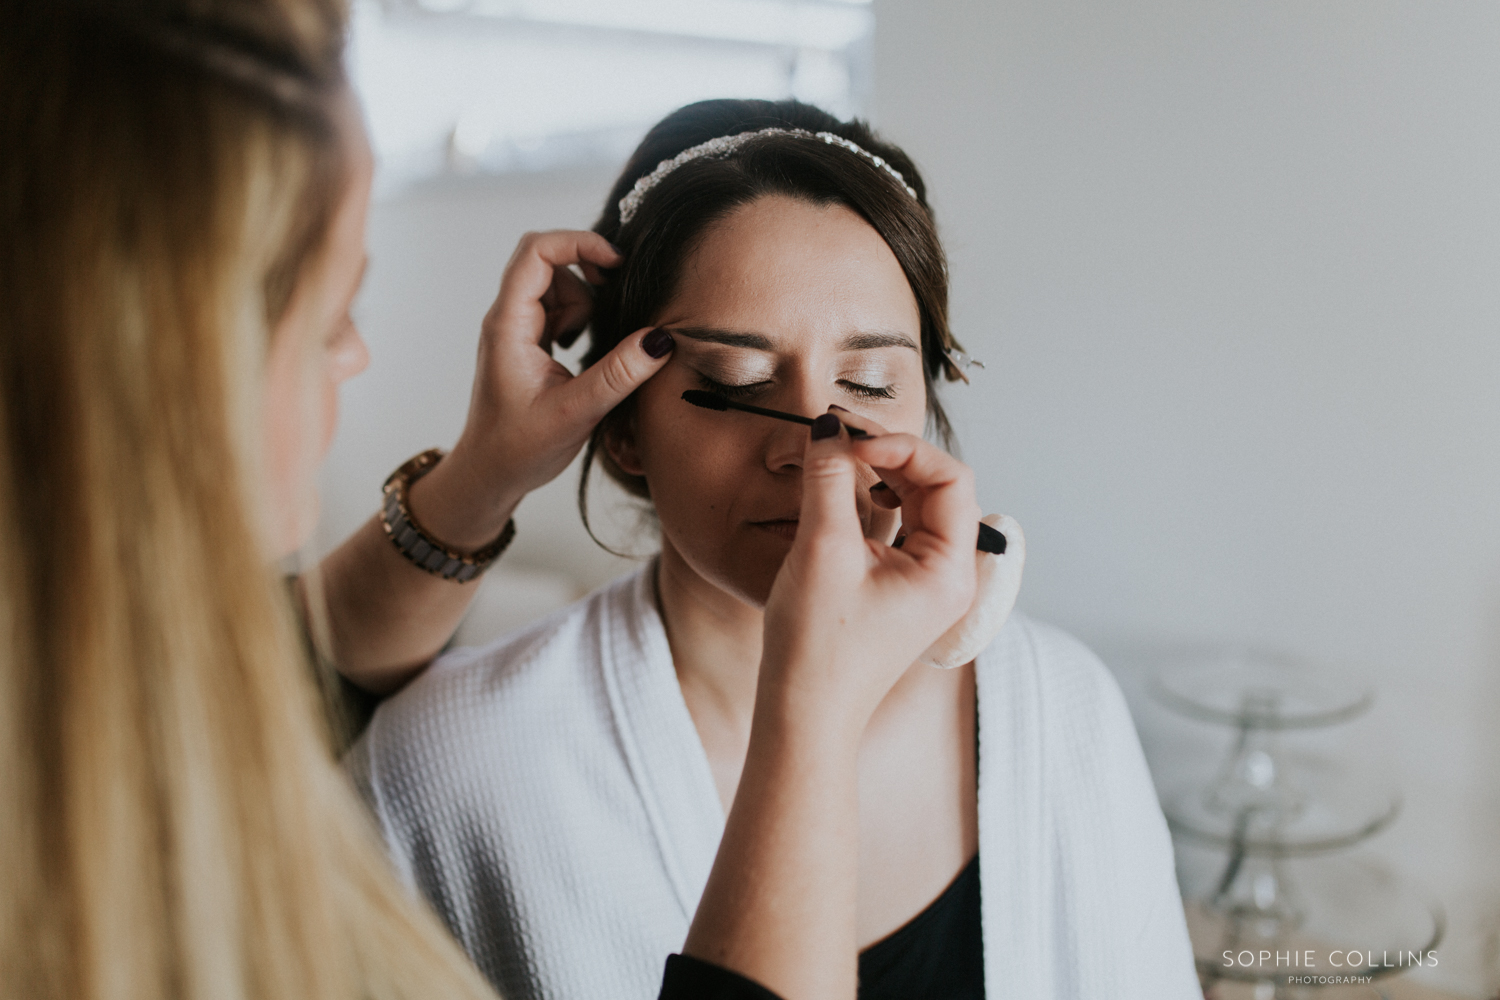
{"x": 689, "y": 978}
{"x": 936, "y": 955}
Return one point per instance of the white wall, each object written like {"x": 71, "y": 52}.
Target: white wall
{"x": 1235, "y": 268}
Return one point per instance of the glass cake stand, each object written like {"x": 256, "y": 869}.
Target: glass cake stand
{"x": 1260, "y": 830}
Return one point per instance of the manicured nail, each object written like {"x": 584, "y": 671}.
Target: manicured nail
{"x": 658, "y": 342}
{"x": 879, "y": 487}
{"x": 825, "y": 426}
{"x": 899, "y": 542}
{"x": 854, "y": 432}
{"x": 991, "y": 540}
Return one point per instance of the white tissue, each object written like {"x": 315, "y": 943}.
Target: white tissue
{"x": 999, "y": 581}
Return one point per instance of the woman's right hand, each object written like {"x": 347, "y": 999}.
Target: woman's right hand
{"x": 528, "y": 415}
{"x": 847, "y": 614}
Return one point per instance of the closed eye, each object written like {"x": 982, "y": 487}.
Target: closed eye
{"x": 731, "y": 390}
{"x": 869, "y": 391}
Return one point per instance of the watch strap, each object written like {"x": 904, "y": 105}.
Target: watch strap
{"x": 419, "y": 547}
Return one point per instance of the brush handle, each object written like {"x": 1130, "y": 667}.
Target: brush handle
{"x": 990, "y": 540}
{"x": 776, "y": 414}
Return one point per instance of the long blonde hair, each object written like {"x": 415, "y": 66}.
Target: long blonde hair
{"x": 171, "y": 821}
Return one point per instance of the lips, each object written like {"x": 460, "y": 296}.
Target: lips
{"x": 782, "y": 527}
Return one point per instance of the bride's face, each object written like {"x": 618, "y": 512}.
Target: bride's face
{"x": 786, "y": 305}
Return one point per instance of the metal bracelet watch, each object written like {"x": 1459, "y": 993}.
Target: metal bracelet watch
{"x": 420, "y": 548}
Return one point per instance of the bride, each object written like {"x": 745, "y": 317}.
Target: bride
{"x": 559, "y": 796}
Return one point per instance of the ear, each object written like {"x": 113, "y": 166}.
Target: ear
{"x": 619, "y": 442}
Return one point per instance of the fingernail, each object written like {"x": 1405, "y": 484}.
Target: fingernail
{"x": 899, "y": 542}
{"x": 878, "y": 487}
{"x": 854, "y": 432}
{"x": 658, "y": 342}
{"x": 991, "y": 540}
{"x": 825, "y": 426}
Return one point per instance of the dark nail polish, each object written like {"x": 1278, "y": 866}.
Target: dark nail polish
{"x": 878, "y": 487}
{"x": 658, "y": 342}
{"x": 856, "y": 432}
{"x": 899, "y": 542}
{"x": 835, "y": 406}
{"x": 825, "y": 426}
{"x": 991, "y": 540}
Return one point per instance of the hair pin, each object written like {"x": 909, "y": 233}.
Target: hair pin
{"x": 962, "y": 362}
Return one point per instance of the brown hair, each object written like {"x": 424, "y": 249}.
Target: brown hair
{"x": 671, "y": 219}
{"x": 171, "y": 822}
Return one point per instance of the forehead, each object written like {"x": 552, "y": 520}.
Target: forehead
{"x": 785, "y": 266}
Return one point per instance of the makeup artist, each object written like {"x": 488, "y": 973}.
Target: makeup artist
{"x": 183, "y": 197}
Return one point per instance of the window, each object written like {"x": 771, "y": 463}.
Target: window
{"x": 489, "y": 86}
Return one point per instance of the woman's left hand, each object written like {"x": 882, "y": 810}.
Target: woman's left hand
{"x": 997, "y": 575}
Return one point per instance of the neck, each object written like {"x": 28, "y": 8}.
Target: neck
{"x": 715, "y": 639}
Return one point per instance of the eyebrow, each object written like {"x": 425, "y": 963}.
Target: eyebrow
{"x": 760, "y": 342}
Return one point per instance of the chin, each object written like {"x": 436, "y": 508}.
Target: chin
{"x": 297, "y": 527}
{"x": 752, "y": 573}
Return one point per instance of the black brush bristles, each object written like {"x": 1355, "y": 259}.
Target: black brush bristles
{"x": 707, "y": 400}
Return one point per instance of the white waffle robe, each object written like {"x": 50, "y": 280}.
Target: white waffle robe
{"x": 550, "y": 797}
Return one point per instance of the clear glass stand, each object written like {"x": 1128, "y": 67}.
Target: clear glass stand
{"x": 1268, "y": 901}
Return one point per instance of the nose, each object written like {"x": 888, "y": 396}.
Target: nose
{"x": 787, "y": 441}
{"x": 351, "y": 355}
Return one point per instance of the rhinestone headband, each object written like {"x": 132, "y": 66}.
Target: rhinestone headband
{"x": 726, "y": 145}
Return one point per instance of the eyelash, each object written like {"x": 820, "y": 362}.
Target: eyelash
{"x": 871, "y": 391}
{"x": 731, "y": 391}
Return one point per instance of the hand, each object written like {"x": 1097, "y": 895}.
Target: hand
{"x": 997, "y": 578}
{"x": 998, "y": 582}
{"x": 528, "y": 415}
{"x": 847, "y": 614}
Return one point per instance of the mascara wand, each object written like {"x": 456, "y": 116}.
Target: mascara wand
{"x": 990, "y": 540}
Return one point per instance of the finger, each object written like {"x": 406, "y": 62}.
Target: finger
{"x": 882, "y": 495}
{"x": 997, "y": 582}
{"x": 1015, "y": 539}
{"x": 569, "y": 302}
{"x": 519, "y": 311}
{"x": 602, "y": 386}
{"x": 828, "y": 476}
{"x": 857, "y": 422}
{"x": 566, "y": 322}
{"x": 936, "y": 488}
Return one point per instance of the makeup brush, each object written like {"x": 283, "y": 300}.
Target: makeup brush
{"x": 714, "y": 401}
{"x": 990, "y": 540}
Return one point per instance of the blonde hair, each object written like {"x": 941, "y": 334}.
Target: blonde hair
{"x": 172, "y": 824}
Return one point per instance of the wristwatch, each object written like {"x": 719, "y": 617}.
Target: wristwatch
{"x": 420, "y": 548}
